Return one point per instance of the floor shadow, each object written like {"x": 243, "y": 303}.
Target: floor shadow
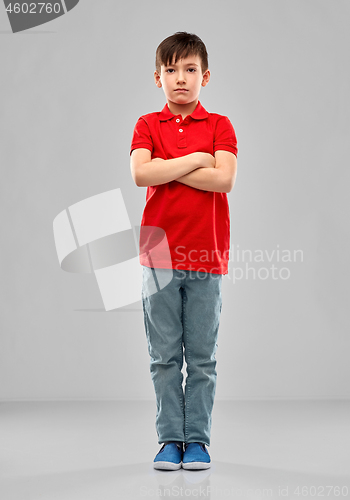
{"x": 140, "y": 480}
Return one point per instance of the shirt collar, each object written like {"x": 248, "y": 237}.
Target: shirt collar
{"x": 198, "y": 114}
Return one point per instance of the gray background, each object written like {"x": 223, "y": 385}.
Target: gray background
{"x": 71, "y": 92}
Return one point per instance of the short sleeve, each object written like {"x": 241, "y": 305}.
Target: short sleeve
{"x": 142, "y": 136}
{"x": 225, "y": 136}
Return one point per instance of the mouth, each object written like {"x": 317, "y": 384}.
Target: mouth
{"x": 181, "y": 90}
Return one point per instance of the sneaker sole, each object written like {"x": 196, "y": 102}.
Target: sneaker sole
{"x": 166, "y": 465}
{"x": 196, "y": 465}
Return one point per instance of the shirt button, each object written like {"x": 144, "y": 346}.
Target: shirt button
{"x": 180, "y": 130}
{"x": 177, "y": 120}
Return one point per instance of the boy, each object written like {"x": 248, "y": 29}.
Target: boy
{"x": 187, "y": 159}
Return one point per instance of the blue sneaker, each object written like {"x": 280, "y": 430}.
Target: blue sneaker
{"x": 169, "y": 456}
{"x": 196, "y": 456}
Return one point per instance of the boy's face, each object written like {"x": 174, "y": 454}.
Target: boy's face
{"x": 182, "y": 81}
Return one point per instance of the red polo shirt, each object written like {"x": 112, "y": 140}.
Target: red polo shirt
{"x": 196, "y": 222}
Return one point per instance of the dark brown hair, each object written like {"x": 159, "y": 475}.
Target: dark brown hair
{"x": 181, "y": 45}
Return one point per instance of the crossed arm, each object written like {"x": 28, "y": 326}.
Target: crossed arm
{"x": 198, "y": 170}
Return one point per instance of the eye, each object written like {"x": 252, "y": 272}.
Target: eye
{"x": 192, "y": 70}
{"x": 169, "y": 70}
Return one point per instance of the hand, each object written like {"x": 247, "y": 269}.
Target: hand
{"x": 205, "y": 160}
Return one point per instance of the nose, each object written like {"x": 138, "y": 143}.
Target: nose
{"x": 181, "y": 77}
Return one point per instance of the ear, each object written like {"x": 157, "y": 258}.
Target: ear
{"x": 206, "y": 78}
{"x": 157, "y": 79}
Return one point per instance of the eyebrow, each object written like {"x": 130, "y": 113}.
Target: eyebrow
{"x": 188, "y": 64}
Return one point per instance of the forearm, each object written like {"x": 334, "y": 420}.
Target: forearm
{"x": 206, "y": 179}
{"x": 160, "y": 171}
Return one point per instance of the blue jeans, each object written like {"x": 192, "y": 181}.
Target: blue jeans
{"x": 182, "y": 319}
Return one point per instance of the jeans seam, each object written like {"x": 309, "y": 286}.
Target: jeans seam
{"x": 181, "y": 377}
{"x": 150, "y": 352}
{"x": 188, "y": 369}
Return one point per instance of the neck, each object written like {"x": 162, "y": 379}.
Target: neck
{"x": 182, "y": 109}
